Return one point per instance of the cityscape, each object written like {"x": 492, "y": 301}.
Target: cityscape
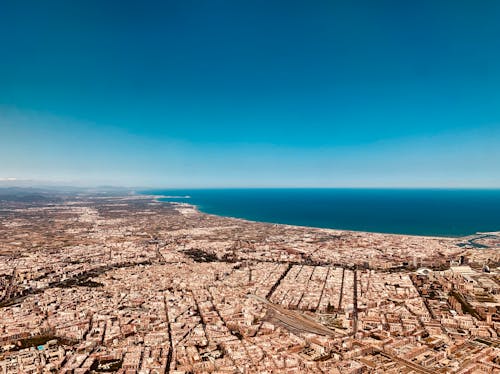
{"x": 128, "y": 284}
{"x": 240, "y": 187}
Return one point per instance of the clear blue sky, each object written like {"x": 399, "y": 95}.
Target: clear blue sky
{"x": 251, "y": 93}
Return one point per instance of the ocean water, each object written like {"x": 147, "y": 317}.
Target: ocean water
{"x": 436, "y": 212}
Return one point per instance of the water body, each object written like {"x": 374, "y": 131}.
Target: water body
{"x": 435, "y": 212}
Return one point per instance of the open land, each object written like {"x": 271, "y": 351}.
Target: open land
{"x": 103, "y": 283}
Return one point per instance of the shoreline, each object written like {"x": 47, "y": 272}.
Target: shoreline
{"x": 164, "y": 281}
{"x": 197, "y": 210}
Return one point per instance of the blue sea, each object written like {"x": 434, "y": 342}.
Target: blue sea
{"x": 435, "y": 212}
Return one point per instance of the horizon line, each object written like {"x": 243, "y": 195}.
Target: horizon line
{"x": 54, "y": 185}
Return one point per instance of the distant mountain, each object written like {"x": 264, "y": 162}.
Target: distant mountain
{"x": 55, "y": 193}
{"x": 27, "y": 194}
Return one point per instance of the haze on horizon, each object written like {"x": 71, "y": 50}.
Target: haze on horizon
{"x": 251, "y": 93}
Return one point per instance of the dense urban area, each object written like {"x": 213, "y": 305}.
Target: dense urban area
{"x": 99, "y": 282}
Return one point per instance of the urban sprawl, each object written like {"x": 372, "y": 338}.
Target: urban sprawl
{"x": 129, "y": 284}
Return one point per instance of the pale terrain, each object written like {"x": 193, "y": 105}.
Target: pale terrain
{"x": 129, "y": 284}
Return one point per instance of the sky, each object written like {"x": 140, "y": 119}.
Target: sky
{"x": 251, "y": 93}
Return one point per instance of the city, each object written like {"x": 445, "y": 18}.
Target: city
{"x": 249, "y": 187}
{"x": 97, "y": 283}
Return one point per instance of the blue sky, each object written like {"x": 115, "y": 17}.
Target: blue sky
{"x": 251, "y": 93}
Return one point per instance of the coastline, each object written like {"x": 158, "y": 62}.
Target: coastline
{"x": 235, "y": 283}
{"x": 196, "y": 208}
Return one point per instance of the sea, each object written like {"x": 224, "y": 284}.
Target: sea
{"x": 427, "y": 212}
